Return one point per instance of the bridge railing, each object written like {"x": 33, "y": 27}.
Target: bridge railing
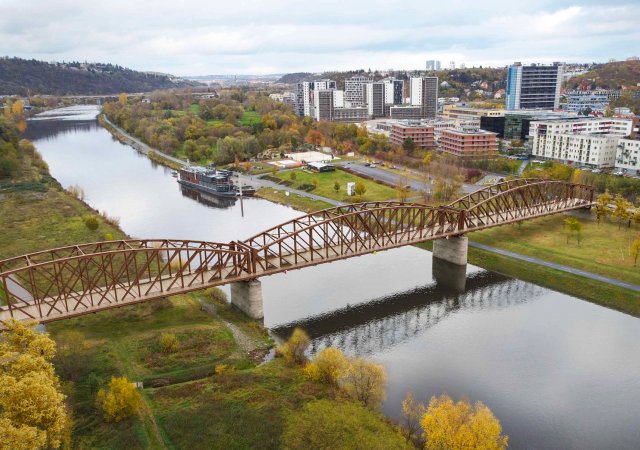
{"x": 99, "y": 280}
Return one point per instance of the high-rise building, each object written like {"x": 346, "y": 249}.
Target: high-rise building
{"x": 533, "y": 87}
{"x": 393, "y": 91}
{"x": 304, "y": 95}
{"x": 375, "y": 99}
{"x": 323, "y": 104}
{"x": 433, "y": 64}
{"x": 424, "y": 93}
{"x": 354, "y": 90}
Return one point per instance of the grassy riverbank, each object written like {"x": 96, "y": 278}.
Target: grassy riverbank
{"x": 594, "y": 291}
{"x": 296, "y": 201}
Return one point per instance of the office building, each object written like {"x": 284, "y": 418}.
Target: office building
{"x": 405, "y": 112}
{"x": 467, "y": 112}
{"x": 424, "y": 93}
{"x": 433, "y": 64}
{"x": 375, "y": 99}
{"x": 587, "y": 101}
{"x": 533, "y": 87}
{"x": 469, "y": 143}
{"x": 354, "y": 88}
{"x": 422, "y": 135}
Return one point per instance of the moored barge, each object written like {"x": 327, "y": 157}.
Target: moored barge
{"x": 212, "y": 181}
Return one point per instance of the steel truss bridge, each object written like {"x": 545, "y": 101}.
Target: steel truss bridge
{"x": 79, "y": 279}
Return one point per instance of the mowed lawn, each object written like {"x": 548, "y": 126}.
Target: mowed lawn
{"x": 327, "y": 180}
{"x": 604, "y": 247}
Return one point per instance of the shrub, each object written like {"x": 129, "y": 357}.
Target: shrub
{"x": 328, "y": 366}
{"x": 365, "y": 382}
{"x": 91, "y": 222}
{"x": 308, "y": 187}
{"x": 120, "y": 401}
{"x": 215, "y": 295}
{"x": 168, "y": 343}
{"x": 219, "y": 369}
{"x": 293, "y": 350}
{"x": 76, "y": 191}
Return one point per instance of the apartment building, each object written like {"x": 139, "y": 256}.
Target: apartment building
{"x": 354, "y": 90}
{"x": 422, "y": 135}
{"x": 533, "y": 87}
{"x": 580, "y": 101}
{"x": 467, "y": 112}
{"x": 405, "y": 112}
{"x": 592, "y": 150}
{"x": 323, "y": 104}
{"x": 469, "y": 143}
{"x": 304, "y": 95}
{"x": 351, "y": 114}
{"x": 585, "y": 125}
{"x": 424, "y": 93}
{"x": 628, "y": 156}
{"x": 375, "y": 99}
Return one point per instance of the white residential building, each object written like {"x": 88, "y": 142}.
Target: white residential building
{"x": 628, "y": 156}
{"x": 424, "y": 93}
{"x": 354, "y": 88}
{"x": 593, "y": 150}
{"x": 304, "y": 100}
{"x": 605, "y": 125}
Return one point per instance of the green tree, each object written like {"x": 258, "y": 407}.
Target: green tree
{"x": 409, "y": 146}
{"x": 573, "y": 228}
{"x": 292, "y": 176}
{"x": 326, "y": 424}
{"x": 336, "y": 187}
{"x": 449, "y": 425}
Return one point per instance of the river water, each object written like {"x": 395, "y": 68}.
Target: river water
{"x": 559, "y": 372}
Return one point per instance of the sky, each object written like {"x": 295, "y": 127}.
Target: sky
{"x": 198, "y": 37}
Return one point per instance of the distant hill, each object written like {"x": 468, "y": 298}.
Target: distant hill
{"x": 297, "y": 77}
{"x": 611, "y": 75}
{"x": 38, "y": 77}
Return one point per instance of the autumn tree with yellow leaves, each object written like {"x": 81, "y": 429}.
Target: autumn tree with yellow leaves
{"x": 453, "y": 426}
{"x": 32, "y": 408}
{"x": 120, "y": 401}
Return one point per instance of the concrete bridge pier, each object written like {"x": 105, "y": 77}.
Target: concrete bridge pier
{"x": 247, "y": 297}
{"x": 449, "y": 266}
{"x": 452, "y": 249}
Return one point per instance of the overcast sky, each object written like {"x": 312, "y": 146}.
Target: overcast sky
{"x": 194, "y": 37}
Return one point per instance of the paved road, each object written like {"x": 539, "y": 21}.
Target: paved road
{"x": 141, "y": 146}
{"x": 256, "y": 182}
{"x": 395, "y": 179}
{"x": 563, "y": 268}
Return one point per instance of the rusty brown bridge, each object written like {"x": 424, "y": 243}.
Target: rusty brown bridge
{"x": 70, "y": 281}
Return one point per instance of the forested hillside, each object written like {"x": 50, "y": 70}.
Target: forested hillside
{"x": 613, "y": 75}
{"x": 22, "y": 77}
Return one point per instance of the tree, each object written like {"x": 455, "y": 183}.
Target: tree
{"x": 32, "y": 408}
{"x": 122, "y": 99}
{"x": 328, "y": 366}
{"x": 402, "y": 192}
{"x": 361, "y": 189}
{"x": 293, "y": 350}
{"x": 408, "y": 145}
{"x": 120, "y": 401}
{"x": 292, "y": 176}
{"x": 622, "y": 209}
{"x": 314, "y": 137}
{"x": 365, "y": 382}
{"x": 168, "y": 343}
{"x": 326, "y": 424}
{"x": 315, "y": 181}
{"x": 573, "y": 227}
{"x": 412, "y": 412}
{"x": 336, "y": 187}
{"x": 449, "y": 425}
{"x": 635, "y": 250}
{"x": 602, "y": 206}
{"x": 427, "y": 158}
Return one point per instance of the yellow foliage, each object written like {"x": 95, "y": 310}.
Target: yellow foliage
{"x": 365, "y": 381}
{"x": 32, "y": 408}
{"x": 17, "y": 108}
{"x": 120, "y": 401}
{"x": 328, "y": 366}
{"x": 168, "y": 343}
{"x": 461, "y": 426}
{"x": 219, "y": 368}
{"x": 293, "y": 350}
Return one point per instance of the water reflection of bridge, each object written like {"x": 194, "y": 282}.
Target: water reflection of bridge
{"x": 383, "y": 323}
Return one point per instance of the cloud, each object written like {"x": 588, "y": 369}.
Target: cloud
{"x": 196, "y": 37}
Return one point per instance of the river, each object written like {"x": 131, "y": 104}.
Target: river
{"x": 559, "y": 372}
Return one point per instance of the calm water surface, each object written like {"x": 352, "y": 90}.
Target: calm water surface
{"x": 559, "y": 372}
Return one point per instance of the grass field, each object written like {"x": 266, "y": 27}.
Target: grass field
{"x": 294, "y": 200}
{"x": 604, "y": 248}
{"x": 250, "y": 118}
{"x": 327, "y": 180}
